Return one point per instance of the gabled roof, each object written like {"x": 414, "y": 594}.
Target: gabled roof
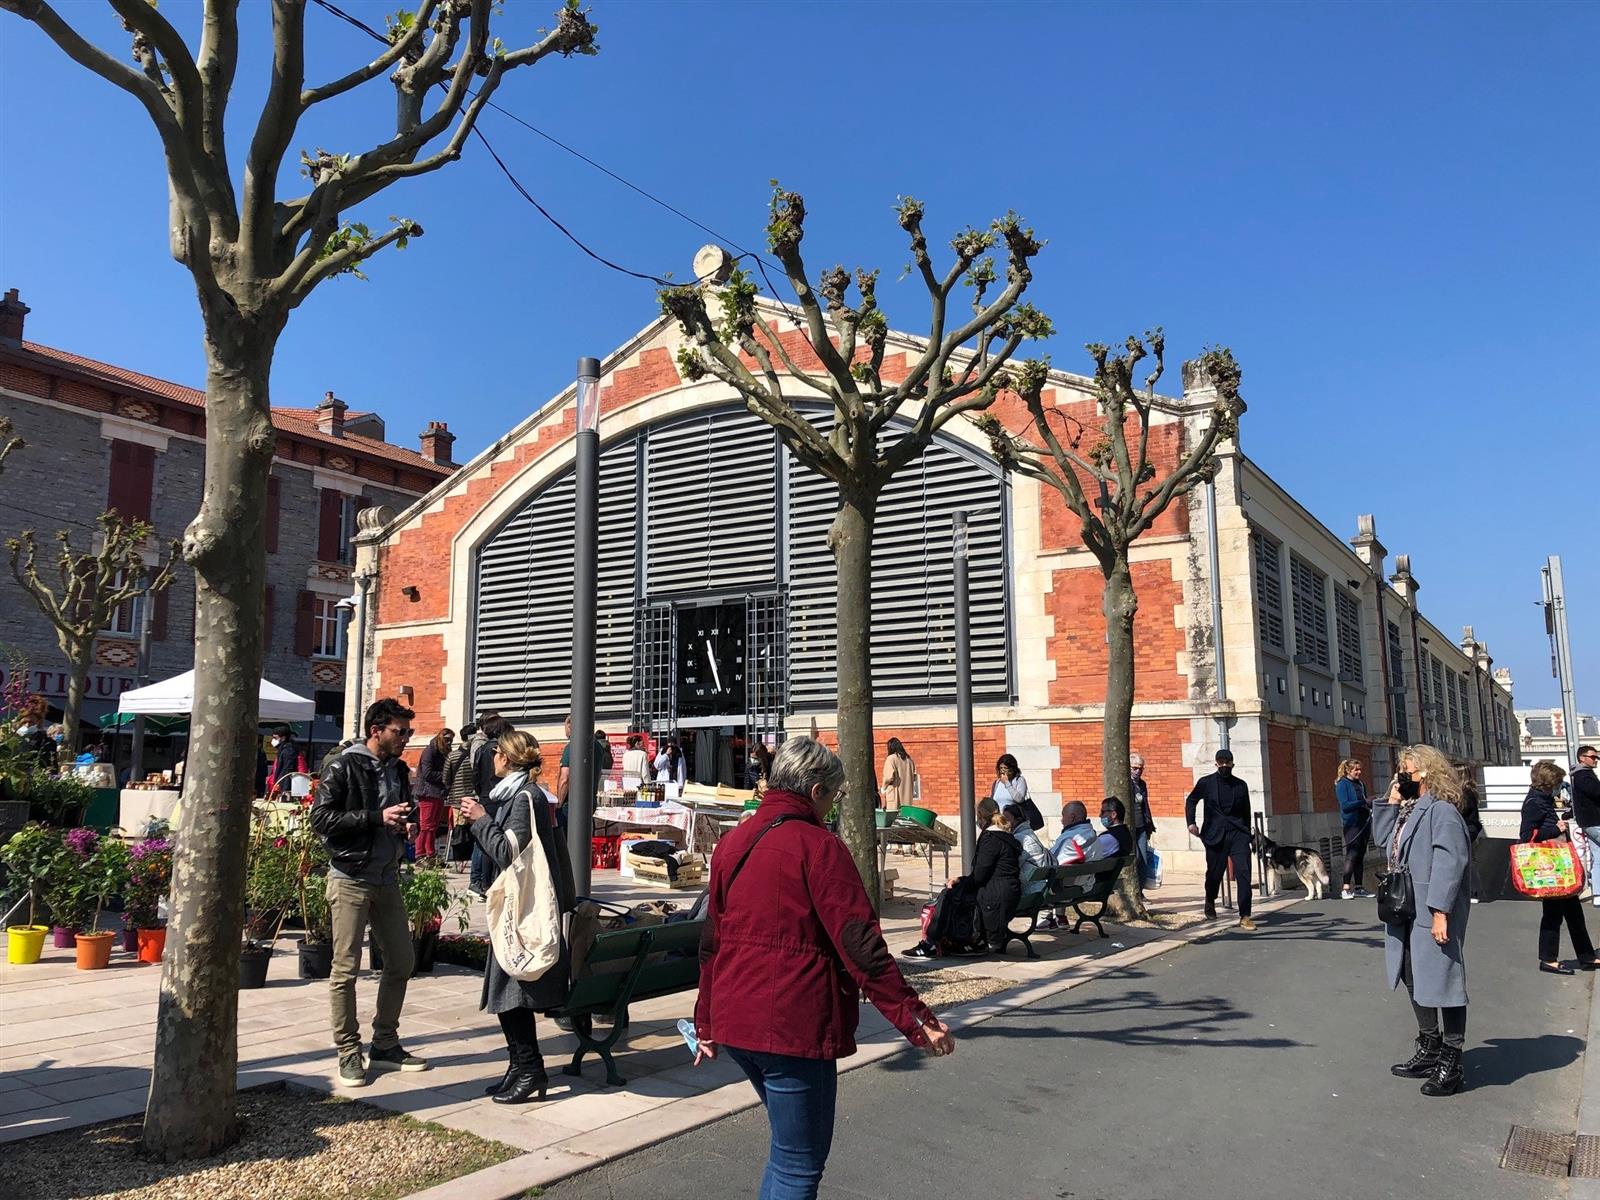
{"x": 297, "y": 422}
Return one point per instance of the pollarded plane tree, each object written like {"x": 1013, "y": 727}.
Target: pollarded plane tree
{"x": 961, "y": 367}
{"x": 257, "y": 244}
{"x": 1106, "y": 473}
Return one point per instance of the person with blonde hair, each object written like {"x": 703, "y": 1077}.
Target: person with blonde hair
{"x": 1355, "y": 814}
{"x": 1542, "y": 822}
{"x": 1422, "y": 830}
{"x": 521, "y": 814}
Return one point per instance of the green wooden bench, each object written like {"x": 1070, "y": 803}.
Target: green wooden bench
{"x": 654, "y": 960}
{"x": 1031, "y": 907}
{"x": 1087, "y": 883}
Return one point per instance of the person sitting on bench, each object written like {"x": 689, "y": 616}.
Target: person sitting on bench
{"x": 1078, "y": 842}
{"x": 994, "y": 887}
{"x": 1117, "y": 840}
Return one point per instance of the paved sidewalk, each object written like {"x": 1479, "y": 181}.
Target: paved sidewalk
{"x": 76, "y": 1047}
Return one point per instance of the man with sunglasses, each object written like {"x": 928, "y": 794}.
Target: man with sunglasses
{"x": 364, "y": 814}
{"x": 1586, "y": 802}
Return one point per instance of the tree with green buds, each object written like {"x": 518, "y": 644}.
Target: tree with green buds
{"x": 879, "y": 424}
{"x": 1108, "y": 478}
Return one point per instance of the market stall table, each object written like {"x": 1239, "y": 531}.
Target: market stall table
{"x": 938, "y": 836}
{"x": 696, "y": 823}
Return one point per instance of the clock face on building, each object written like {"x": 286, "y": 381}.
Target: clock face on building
{"x": 711, "y": 660}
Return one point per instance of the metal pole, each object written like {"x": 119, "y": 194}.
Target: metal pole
{"x": 969, "y": 815}
{"x": 1555, "y": 597}
{"x": 357, "y": 621}
{"x": 1213, "y": 560}
{"x": 136, "y": 753}
{"x": 585, "y": 577}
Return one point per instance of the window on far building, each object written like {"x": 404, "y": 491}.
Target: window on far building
{"x": 1269, "y": 589}
{"x": 327, "y": 630}
{"x": 1348, "y": 615}
{"x": 1309, "y": 589}
{"x": 1397, "y": 676}
{"x": 126, "y": 616}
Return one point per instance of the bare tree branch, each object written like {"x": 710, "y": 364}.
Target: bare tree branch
{"x": 280, "y": 116}
{"x": 401, "y": 48}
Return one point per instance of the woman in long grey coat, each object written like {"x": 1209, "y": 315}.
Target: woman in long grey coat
{"x": 524, "y": 813}
{"x": 1421, "y": 829}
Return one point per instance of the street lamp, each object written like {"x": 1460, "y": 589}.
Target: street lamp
{"x": 347, "y": 608}
{"x": 969, "y": 818}
{"x": 585, "y": 574}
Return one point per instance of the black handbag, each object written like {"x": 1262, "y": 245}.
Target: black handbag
{"x": 1397, "y": 897}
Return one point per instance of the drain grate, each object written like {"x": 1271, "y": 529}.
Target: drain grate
{"x": 1586, "y": 1157}
{"x": 1538, "y": 1152}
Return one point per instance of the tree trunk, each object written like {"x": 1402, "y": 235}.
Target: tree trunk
{"x": 1121, "y": 606}
{"x": 80, "y": 653}
{"x": 190, "y": 1112}
{"x": 851, "y": 541}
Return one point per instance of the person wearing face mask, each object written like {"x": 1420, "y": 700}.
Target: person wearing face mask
{"x": 1117, "y": 839}
{"x": 1224, "y": 831}
{"x": 1422, "y": 830}
{"x": 287, "y": 760}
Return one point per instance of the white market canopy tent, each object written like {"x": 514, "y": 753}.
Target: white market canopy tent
{"x": 175, "y": 697}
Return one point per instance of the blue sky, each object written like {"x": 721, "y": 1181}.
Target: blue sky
{"x": 1387, "y": 211}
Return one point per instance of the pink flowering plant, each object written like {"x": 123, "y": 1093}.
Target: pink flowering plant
{"x": 272, "y": 882}
{"x": 87, "y": 872}
{"x": 149, "y": 880}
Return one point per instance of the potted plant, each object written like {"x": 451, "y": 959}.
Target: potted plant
{"x": 271, "y": 887}
{"x": 316, "y": 944}
{"x": 428, "y": 901}
{"x": 72, "y": 905}
{"x": 92, "y": 869}
{"x": 149, "y": 880}
{"x": 27, "y": 859}
{"x": 62, "y": 800}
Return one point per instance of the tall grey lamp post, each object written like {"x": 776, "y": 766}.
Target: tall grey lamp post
{"x": 585, "y": 574}
{"x": 969, "y": 817}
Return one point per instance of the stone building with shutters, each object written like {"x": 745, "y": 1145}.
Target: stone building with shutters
{"x": 716, "y": 610}
{"x": 101, "y": 436}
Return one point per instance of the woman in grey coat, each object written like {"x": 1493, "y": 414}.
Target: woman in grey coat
{"x": 1421, "y": 829}
{"x": 523, "y": 812}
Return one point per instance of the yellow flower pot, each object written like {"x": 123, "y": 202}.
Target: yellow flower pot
{"x": 24, "y": 943}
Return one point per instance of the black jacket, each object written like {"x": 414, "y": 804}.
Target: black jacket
{"x": 997, "y": 870}
{"x": 1586, "y": 797}
{"x": 1539, "y": 818}
{"x": 1140, "y": 817}
{"x": 348, "y": 814}
{"x": 1227, "y": 801}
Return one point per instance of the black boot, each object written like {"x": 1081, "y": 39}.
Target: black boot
{"x": 1446, "y": 1079}
{"x": 499, "y": 1085}
{"x": 527, "y": 1079}
{"x": 1211, "y": 910}
{"x": 1421, "y": 1064}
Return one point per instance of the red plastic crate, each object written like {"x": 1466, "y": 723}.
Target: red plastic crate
{"x": 605, "y": 853}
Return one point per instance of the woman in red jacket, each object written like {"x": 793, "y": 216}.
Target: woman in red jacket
{"x": 790, "y": 944}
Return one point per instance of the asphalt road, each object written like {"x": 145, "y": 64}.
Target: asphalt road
{"x": 1247, "y": 1066}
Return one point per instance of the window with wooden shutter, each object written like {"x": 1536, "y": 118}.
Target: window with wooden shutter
{"x": 1308, "y": 588}
{"x": 132, "y": 482}
{"x": 1348, "y": 615}
{"x": 268, "y": 610}
{"x": 330, "y": 524}
{"x": 305, "y": 617}
{"x": 274, "y": 509}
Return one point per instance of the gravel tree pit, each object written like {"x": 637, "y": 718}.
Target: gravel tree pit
{"x": 296, "y": 1145}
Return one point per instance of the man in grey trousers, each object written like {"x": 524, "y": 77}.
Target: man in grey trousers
{"x": 364, "y": 814}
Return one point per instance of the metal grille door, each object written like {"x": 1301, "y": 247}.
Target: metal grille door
{"x": 655, "y": 639}
{"x": 766, "y": 646}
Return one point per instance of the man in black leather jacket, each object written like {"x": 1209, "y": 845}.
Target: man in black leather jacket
{"x": 1225, "y": 831}
{"x": 363, "y": 813}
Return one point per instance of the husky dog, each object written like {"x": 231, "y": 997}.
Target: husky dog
{"x": 1307, "y": 864}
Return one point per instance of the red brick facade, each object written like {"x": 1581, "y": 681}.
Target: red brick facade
{"x": 1078, "y": 646}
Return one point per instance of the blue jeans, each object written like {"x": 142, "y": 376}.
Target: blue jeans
{"x": 799, "y": 1095}
{"x": 1142, "y": 846}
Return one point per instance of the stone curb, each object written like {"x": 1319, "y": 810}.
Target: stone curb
{"x": 1589, "y": 1101}
{"x": 511, "y": 1179}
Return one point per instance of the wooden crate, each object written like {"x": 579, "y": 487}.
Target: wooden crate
{"x": 653, "y": 871}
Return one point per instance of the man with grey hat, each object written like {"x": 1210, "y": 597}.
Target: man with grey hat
{"x": 1225, "y": 831}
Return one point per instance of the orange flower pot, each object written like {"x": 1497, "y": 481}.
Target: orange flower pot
{"x": 94, "y": 950}
{"x": 152, "y": 942}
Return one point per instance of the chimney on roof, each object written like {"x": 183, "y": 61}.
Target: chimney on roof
{"x": 1404, "y": 581}
{"x": 330, "y": 415}
{"x": 437, "y": 443}
{"x": 1367, "y": 545}
{"x": 12, "y": 313}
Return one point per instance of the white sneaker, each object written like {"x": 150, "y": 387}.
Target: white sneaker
{"x": 1347, "y": 895}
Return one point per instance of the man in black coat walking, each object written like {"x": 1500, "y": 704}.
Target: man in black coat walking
{"x": 1225, "y": 830}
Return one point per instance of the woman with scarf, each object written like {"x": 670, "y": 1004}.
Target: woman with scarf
{"x": 521, "y": 811}
{"x": 1423, "y": 833}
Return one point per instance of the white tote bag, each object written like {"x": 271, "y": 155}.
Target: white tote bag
{"x": 524, "y": 918}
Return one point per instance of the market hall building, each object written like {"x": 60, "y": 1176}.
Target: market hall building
{"x": 716, "y": 618}
{"x": 100, "y": 436}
